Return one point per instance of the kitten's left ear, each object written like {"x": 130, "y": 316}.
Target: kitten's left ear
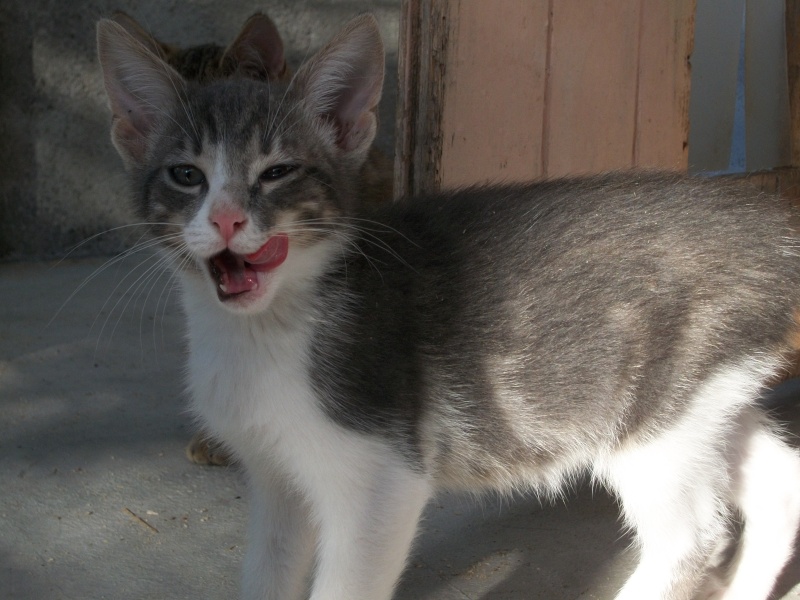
{"x": 141, "y": 88}
{"x": 257, "y": 51}
{"x": 341, "y": 85}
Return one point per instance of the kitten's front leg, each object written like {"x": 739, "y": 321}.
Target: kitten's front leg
{"x": 368, "y": 518}
{"x": 280, "y": 547}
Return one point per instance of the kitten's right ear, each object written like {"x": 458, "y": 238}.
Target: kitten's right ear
{"x": 141, "y": 89}
{"x": 133, "y": 27}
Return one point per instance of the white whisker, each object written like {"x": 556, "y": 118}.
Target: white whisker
{"x": 148, "y": 272}
{"x": 110, "y": 262}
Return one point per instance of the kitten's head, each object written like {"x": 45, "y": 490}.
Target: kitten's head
{"x": 256, "y": 53}
{"x": 245, "y": 182}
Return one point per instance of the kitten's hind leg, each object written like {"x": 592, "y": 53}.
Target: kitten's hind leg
{"x": 671, "y": 499}
{"x": 674, "y": 486}
{"x": 765, "y": 486}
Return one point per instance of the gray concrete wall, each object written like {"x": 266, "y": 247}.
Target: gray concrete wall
{"x": 61, "y": 181}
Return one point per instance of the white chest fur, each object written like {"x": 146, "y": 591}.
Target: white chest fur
{"x": 250, "y": 382}
{"x": 248, "y": 377}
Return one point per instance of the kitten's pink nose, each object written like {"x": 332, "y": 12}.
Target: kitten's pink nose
{"x": 229, "y": 222}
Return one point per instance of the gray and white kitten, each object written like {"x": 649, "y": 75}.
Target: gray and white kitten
{"x": 507, "y": 338}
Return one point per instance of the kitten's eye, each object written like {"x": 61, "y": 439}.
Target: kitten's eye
{"x": 276, "y": 172}
{"x": 187, "y": 175}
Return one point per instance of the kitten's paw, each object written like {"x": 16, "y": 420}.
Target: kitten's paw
{"x": 204, "y": 450}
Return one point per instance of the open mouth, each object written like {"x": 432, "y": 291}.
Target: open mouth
{"x": 237, "y": 274}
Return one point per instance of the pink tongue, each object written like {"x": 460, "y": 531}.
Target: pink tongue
{"x": 237, "y": 275}
{"x": 270, "y": 255}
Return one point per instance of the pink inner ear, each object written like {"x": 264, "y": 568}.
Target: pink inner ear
{"x": 126, "y": 135}
{"x": 354, "y": 112}
{"x": 133, "y": 111}
{"x": 342, "y": 83}
{"x": 141, "y": 88}
{"x": 132, "y": 122}
{"x": 352, "y": 134}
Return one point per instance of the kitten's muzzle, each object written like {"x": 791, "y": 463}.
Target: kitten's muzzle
{"x": 236, "y": 274}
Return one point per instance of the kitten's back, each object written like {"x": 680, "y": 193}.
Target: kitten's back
{"x": 624, "y": 292}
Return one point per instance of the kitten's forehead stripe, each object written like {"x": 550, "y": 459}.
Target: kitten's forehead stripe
{"x": 235, "y": 114}
{"x": 211, "y": 127}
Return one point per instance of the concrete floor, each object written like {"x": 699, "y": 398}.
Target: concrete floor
{"x": 98, "y": 500}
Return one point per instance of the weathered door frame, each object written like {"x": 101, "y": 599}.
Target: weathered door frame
{"x": 520, "y": 89}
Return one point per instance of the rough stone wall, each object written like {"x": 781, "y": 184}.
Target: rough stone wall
{"x": 61, "y": 181}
